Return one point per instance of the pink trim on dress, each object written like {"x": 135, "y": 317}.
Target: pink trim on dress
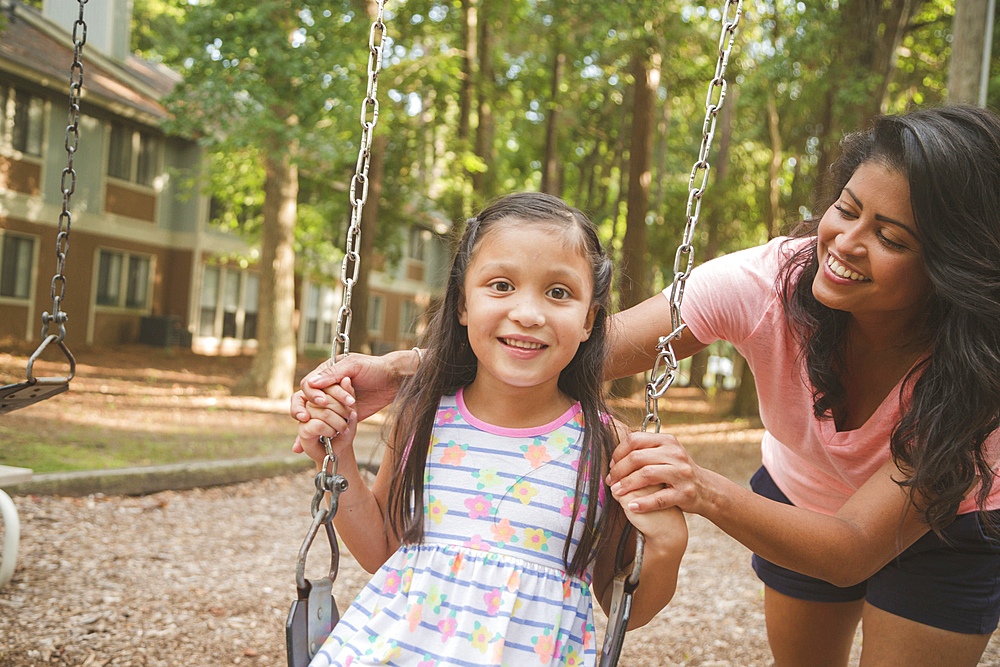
{"x": 514, "y": 432}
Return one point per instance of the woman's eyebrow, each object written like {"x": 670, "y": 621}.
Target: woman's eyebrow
{"x": 882, "y": 218}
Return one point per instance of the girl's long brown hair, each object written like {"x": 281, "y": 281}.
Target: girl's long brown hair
{"x": 449, "y": 364}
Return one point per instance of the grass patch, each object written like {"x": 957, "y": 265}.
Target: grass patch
{"x": 91, "y": 448}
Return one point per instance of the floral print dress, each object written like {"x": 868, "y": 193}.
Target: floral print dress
{"x": 488, "y": 585}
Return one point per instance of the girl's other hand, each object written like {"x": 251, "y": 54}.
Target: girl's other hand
{"x": 336, "y": 420}
{"x": 375, "y": 381}
{"x": 662, "y": 527}
{"x": 658, "y": 464}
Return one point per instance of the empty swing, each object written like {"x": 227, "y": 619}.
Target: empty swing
{"x": 314, "y": 613}
{"x": 35, "y": 389}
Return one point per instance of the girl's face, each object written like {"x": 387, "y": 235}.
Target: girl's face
{"x": 527, "y": 303}
{"x": 869, "y": 250}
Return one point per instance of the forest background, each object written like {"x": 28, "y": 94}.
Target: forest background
{"x": 601, "y": 103}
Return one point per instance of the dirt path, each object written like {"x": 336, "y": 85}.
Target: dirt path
{"x": 205, "y": 577}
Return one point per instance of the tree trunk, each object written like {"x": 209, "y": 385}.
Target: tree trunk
{"x": 483, "y": 182}
{"x": 634, "y": 283}
{"x": 774, "y": 188}
{"x": 828, "y": 148}
{"x": 634, "y": 246}
{"x": 699, "y": 366}
{"x": 466, "y": 95}
{"x": 550, "y": 166}
{"x": 745, "y": 403}
{"x": 467, "y": 89}
{"x": 272, "y": 372}
{"x": 966, "y": 65}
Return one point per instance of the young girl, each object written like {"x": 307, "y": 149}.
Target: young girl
{"x": 489, "y": 519}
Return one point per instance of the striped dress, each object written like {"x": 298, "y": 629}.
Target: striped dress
{"x": 488, "y": 585}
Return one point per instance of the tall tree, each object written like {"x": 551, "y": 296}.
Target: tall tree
{"x": 969, "y": 30}
{"x": 259, "y": 79}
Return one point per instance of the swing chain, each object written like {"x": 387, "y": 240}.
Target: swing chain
{"x": 359, "y": 184}
{"x": 713, "y": 104}
{"x": 67, "y": 181}
{"x": 664, "y": 370}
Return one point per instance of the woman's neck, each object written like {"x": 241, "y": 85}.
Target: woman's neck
{"x": 506, "y": 406}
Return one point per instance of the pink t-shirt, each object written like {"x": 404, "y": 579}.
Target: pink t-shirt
{"x": 734, "y": 298}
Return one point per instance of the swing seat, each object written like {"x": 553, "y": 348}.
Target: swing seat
{"x": 22, "y": 394}
{"x": 34, "y": 389}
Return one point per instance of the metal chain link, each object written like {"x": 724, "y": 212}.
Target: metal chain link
{"x": 665, "y": 367}
{"x": 352, "y": 256}
{"x": 68, "y": 180}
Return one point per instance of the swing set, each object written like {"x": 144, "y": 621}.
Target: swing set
{"x": 35, "y": 389}
{"x": 314, "y": 613}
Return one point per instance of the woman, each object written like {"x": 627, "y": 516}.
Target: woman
{"x": 875, "y": 343}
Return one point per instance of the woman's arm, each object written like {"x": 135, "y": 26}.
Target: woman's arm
{"x": 665, "y": 533}
{"x": 634, "y": 334}
{"x": 873, "y": 526}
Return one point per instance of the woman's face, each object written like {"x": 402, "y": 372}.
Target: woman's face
{"x": 870, "y": 252}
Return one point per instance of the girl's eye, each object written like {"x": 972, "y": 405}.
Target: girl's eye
{"x": 559, "y": 293}
{"x": 502, "y": 286}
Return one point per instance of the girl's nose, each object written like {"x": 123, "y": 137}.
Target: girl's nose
{"x": 527, "y": 312}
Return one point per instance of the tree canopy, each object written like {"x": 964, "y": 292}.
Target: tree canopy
{"x": 480, "y": 98}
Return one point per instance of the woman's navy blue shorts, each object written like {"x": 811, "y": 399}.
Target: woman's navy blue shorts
{"x": 953, "y": 586}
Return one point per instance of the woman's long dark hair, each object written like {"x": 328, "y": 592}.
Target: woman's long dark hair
{"x": 449, "y": 364}
{"x": 951, "y": 158}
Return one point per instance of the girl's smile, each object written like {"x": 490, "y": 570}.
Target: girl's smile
{"x": 527, "y": 305}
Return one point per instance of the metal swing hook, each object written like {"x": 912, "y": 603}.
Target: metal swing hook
{"x": 59, "y": 318}
{"x": 621, "y": 598}
{"x": 314, "y": 612}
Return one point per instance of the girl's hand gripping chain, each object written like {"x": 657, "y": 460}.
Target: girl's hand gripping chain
{"x": 336, "y": 419}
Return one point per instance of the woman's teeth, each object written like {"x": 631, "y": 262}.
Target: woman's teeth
{"x": 844, "y": 272}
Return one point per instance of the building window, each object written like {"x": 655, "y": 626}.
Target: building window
{"x": 251, "y": 295}
{"x": 409, "y": 315}
{"x": 376, "y": 315}
{"x": 21, "y": 121}
{"x": 321, "y": 313}
{"x": 228, "y": 303}
{"x": 133, "y": 155}
{"x": 209, "y": 299}
{"x": 418, "y": 243}
{"x": 123, "y": 280}
{"x": 16, "y": 258}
